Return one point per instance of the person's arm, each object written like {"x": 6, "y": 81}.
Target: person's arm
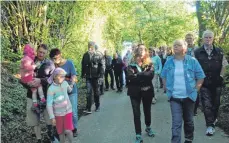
{"x": 160, "y": 65}
{"x": 69, "y": 87}
{"x": 83, "y": 66}
{"x": 224, "y": 64}
{"x": 199, "y": 75}
{"x": 73, "y": 73}
{"x": 132, "y": 74}
{"x": 199, "y": 83}
{"x": 50, "y": 97}
{"x": 101, "y": 66}
{"x": 164, "y": 75}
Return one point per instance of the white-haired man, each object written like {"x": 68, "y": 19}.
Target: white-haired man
{"x": 213, "y": 62}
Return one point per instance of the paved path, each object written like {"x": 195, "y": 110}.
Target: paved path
{"x": 114, "y": 123}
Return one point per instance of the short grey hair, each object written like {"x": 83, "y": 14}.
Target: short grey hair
{"x": 91, "y": 43}
{"x": 207, "y": 32}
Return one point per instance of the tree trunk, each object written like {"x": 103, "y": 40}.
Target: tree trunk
{"x": 199, "y": 14}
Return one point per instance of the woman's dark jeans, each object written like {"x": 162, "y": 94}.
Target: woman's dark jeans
{"x": 146, "y": 99}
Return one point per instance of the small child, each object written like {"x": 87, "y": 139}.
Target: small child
{"x": 59, "y": 106}
{"x": 27, "y": 74}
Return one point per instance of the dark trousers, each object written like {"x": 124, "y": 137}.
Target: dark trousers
{"x": 182, "y": 109}
{"x": 92, "y": 84}
{"x": 110, "y": 72}
{"x": 119, "y": 80}
{"x": 135, "y": 102}
{"x": 101, "y": 88}
{"x": 125, "y": 71}
{"x": 197, "y": 104}
{"x": 161, "y": 83}
{"x": 210, "y": 98}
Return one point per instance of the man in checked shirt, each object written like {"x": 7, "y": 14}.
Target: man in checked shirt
{"x": 213, "y": 62}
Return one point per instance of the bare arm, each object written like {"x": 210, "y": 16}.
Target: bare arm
{"x": 199, "y": 84}
{"x": 224, "y": 64}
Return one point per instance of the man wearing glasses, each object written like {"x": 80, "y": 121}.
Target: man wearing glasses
{"x": 213, "y": 62}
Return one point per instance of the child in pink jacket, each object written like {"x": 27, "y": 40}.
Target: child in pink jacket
{"x": 27, "y": 73}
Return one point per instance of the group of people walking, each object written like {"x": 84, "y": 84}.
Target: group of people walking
{"x": 188, "y": 75}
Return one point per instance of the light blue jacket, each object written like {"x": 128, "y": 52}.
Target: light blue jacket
{"x": 192, "y": 72}
{"x": 157, "y": 64}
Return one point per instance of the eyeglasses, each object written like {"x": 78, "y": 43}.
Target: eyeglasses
{"x": 208, "y": 37}
{"x": 179, "y": 45}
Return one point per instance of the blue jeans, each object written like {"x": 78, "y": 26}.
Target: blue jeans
{"x": 182, "y": 109}
{"x": 74, "y": 101}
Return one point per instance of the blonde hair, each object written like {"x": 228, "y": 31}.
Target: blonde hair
{"x": 145, "y": 60}
{"x": 208, "y": 32}
{"x": 182, "y": 42}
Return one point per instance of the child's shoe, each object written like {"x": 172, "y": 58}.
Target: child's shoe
{"x": 139, "y": 139}
{"x": 150, "y": 131}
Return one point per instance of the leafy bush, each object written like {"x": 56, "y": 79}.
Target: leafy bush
{"x": 224, "y": 110}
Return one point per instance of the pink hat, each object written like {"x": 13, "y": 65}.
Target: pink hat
{"x": 29, "y": 51}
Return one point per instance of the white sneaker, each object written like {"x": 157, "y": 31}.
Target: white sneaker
{"x": 210, "y": 131}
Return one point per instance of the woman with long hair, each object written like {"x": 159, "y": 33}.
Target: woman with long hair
{"x": 140, "y": 73}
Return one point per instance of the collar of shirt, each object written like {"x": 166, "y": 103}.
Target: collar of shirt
{"x": 208, "y": 48}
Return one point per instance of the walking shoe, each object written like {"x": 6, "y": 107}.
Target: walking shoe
{"x": 75, "y": 133}
{"x": 187, "y": 141}
{"x": 106, "y": 89}
{"x": 97, "y": 109}
{"x": 87, "y": 111}
{"x": 139, "y": 139}
{"x": 113, "y": 88}
{"x": 154, "y": 101}
{"x": 210, "y": 131}
{"x": 150, "y": 131}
